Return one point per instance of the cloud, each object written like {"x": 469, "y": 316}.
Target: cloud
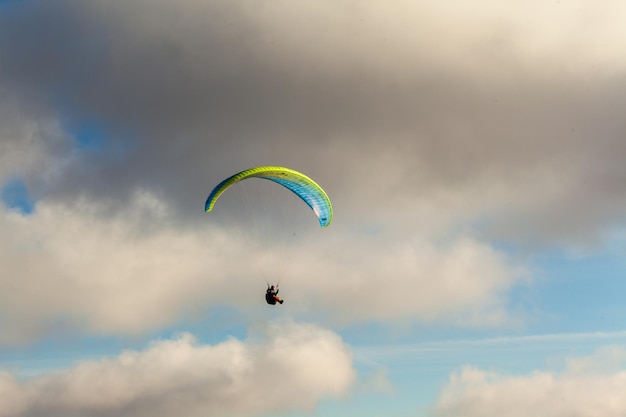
{"x": 23, "y": 151}
{"x": 87, "y": 271}
{"x": 435, "y": 130}
{"x": 67, "y": 266}
{"x": 281, "y": 367}
{"x": 589, "y": 386}
{"x": 464, "y": 281}
{"x": 498, "y": 114}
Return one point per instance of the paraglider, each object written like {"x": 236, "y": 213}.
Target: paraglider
{"x": 271, "y": 295}
{"x": 298, "y": 183}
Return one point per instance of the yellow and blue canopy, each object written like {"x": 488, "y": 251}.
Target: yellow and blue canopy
{"x": 301, "y": 185}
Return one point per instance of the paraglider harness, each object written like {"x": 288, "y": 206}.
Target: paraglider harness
{"x": 270, "y": 293}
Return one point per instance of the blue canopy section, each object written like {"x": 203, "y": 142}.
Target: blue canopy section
{"x": 309, "y": 195}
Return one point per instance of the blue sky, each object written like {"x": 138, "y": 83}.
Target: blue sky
{"x": 15, "y": 196}
{"x": 473, "y": 154}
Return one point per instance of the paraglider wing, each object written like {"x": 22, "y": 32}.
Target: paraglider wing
{"x": 301, "y": 185}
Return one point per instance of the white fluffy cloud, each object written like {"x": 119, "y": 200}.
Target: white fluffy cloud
{"x": 280, "y": 368}
{"x": 81, "y": 267}
{"x": 77, "y": 266}
{"x": 375, "y": 278}
{"x": 589, "y": 387}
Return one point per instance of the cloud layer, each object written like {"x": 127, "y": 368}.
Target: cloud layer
{"x": 435, "y": 129}
{"x": 445, "y": 113}
{"x": 136, "y": 271}
{"x": 282, "y": 367}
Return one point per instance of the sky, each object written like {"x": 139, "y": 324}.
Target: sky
{"x": 473, "y": 153}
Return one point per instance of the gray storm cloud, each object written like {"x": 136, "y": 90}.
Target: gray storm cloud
{"x": 282, "y": 367}
{"x": 482, "y": 113}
